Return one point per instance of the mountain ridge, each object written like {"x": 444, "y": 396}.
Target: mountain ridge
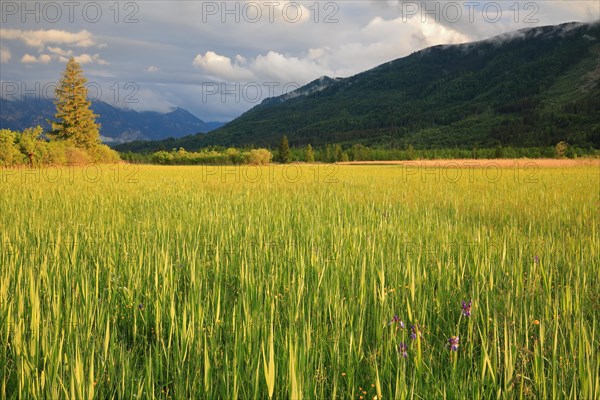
{"x": 532, "y": 87}
{"x": 118, "y": 125}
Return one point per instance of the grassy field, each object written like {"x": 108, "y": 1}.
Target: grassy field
{"x": 242, "y": 282}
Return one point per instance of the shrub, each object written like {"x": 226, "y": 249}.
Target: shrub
{"x": 103, "y": 154}
{"x": 9, "y": 151}
{"x": 259, "y": 157}
{"x": 77, "y": 156}
{"x": 162, "y": 157}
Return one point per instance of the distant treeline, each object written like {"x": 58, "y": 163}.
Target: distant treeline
{"x": 337, "y": 153}
{"x": 211, "y": 156}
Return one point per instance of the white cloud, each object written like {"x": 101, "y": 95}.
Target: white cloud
{"x": 5, "y": 55}
{"x": 89, "y": 59}
{"x": 222, "y": 67}
{"x": 60, "y": 52}
{"x": 272, "y": 67}
{"x": 379, "y": 41}
{"x": 152, "y": 68}
{"x": 40, "y": 38}
{"x": 42, "y": 59}
{"x": 278, "y": 67}
{"x": 85, "y": 59}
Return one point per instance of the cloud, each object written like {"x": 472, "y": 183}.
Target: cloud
{"x": 5, "y": 55}
{"x": 222, "y": 67}
{"x": 379, "y": 41}
{"x": 152, "y": 68}
{"x": 39, "y": 38}
{"x": 89, "y": 59}
{"x": 85, "y": 59}
{"x": 278, "y": 67}
{"x": 271, "y": 67}
{"x": 42, "y": 59}
{"x": 60, "y": 52}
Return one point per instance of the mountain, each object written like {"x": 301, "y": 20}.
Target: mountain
{"x": 117, "y": 125}
{"x": 533, "y": 87}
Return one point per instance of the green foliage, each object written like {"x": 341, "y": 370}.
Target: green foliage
{"x": 75, "y": 120}
{"x": 230, "y": 156}
{"x": 337, "y": 152}
{"x": 9, "y": 150}
{"x": 310, "y": 154}
{"x": 31, "y": 148}
{"x": 284, "y": 151}
{"x": 103, "y": 154}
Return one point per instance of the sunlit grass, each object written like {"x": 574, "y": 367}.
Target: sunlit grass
{"x": 205, "y": 282}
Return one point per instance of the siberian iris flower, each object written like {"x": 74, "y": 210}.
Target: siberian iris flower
{"x": 403, "y": 349}
{"x": 414, "y": 329}
{"x": 453, "y": 343}
{"x": 397, "y": 321}
{"x": 466, "y": 308}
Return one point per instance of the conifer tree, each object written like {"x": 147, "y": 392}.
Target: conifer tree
{"x": 285, "y": 155}
{"x": 76, "y": 122}
{"x": 310, "y": 154}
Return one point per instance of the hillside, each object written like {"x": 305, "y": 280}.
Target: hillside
{"x": 117, "y": 125}
{"x": 533, "y": 87}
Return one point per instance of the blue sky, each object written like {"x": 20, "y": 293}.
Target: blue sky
{"x": 219, "y": 58}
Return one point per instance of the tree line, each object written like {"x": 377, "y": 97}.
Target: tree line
{"x": 333, "y": 153}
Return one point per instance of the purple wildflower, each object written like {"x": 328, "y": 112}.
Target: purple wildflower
{"x": 453, "y": 343}
{"x": 396, "y": 321}
{"x": 536, "y": 259}
{"x": 414, "y": 329}
{"x": 403, "y": 349}
{"x": 140, "y": 306}
{"x": 466, "y": 308}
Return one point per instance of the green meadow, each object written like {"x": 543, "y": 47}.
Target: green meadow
{"x": 124, "y": 281}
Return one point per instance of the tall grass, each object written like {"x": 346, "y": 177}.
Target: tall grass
{"x": 191, "y": 282}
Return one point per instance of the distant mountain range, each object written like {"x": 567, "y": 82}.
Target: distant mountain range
{"x": 117, "y": 125}
{"x": 533, "y": 87}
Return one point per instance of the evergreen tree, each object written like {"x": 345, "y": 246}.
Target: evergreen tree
{"x": 338, "y": 152}
{"x": 285, "y": 155}
{"x": 329, "y": 156}
{"x": 310, "y": 154}
{"x": 76, "y": 122}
